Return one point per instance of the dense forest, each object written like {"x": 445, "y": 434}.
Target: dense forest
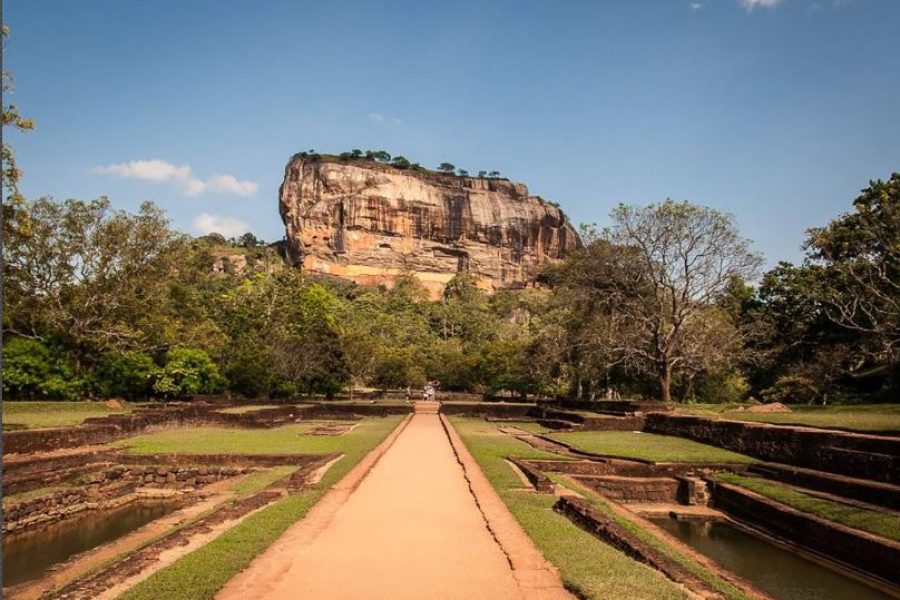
{"x": 667, "y": 302}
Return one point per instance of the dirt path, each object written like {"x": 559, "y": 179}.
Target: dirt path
{"x": 411, "y": 529}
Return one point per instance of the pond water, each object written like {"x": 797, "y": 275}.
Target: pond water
{"x": 775, "y": 570}
{"x": 29, "y": 554}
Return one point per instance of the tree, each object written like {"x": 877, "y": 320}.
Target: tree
{"x": 462, "y": 173}
{"x": 188, "y": 371}
{"x": 682, "y": 257}
{"x": 446, "y": 167}
{"x": 482, "y": 173}
{"x": 400, "y": 162}
{"x": 33, "y": 371}
{"x": 248, "y": 240}
{"x": 379, "y": 155}
{"x": 356, "y": 153}
{"x": 11, "y": 118}
{"x": 128, "y": 375}
{"x": 860, "y": 251}
{"x": 95, "y": 280}
{"x": 494, "y": 174}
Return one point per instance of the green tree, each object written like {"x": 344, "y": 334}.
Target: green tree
{"x": 32, "y": 371}
{"x": 446, "y": 167}
{"x": 128, "y": 375}
{"x": 94, "y": 279}
{"x": 188, "y": 371}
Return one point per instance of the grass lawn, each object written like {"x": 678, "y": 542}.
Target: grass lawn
{"x": 220, "y": 440}
{"x": 36, "y": 415}
{"x": 652, "y": 538}
{"x": 880, "y": 523}
{"x": 202, "y": 573}
{"x": 239, "y": 410}
{"x": 648, "y": 446}
{"x": 525, "y": 426}
{"x": 587, "y": 565}
{"x": 862, "y": 417}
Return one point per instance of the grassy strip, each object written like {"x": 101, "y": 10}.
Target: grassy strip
{"x": 254, "y": 482}
{"x": 658, "y": 543}
{"x": 589, "y": 567}
{"x": 860, "y": 417}
{"x": 525, "y": 426}
{"x": 37, "y": 415}
{"x": 202, "y": 573}
{"x": 9, "y": 499}
{"x": 219, "y": 440}
{"x": 879, "y": 523}
{"x": 648, "y": 446}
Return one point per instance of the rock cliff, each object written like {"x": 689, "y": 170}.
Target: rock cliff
{"x": 370, "y": 222}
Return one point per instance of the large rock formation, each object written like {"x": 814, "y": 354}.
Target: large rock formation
{"x": 369, "y": 222}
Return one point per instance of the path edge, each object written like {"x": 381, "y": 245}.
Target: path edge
{"x": 321, "y": 513}
{"x": 536, "y": 577}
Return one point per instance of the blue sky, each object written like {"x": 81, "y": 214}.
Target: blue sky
{"x": 777, "y": 111}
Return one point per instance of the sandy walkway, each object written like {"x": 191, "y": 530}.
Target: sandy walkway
{"x": 410, "y": 530}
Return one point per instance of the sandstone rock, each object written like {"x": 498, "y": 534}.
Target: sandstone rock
{"x": 371, "y": 223}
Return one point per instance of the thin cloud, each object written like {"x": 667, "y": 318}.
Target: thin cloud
{"x": 206, "y": 223}
{"x": 749, "y": 5}
{"x": 381, "y": 118}
{"x": 695, "y": 6}
{"x": 161, "y": 171}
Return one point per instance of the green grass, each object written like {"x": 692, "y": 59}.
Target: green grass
{"x": 654, "y": 540}
{"x": 30, "y": 494}
{"x": 38, "y": 415}
{"x": 254, "y": 482}
{"x": 239, "y": 410}
{"x": 219, "y": 440}
{"x": 879, "y": 523}
{"x": 524, "y": 425}
{"x": 648, "y": 446}
{"x": 587, "y": 566}
{"x": 202, "y": 573}
{"x": 862, "y": 417}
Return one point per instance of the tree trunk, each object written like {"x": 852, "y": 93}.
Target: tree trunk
{"x": 665, "y": 383}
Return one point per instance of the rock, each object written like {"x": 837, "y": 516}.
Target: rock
{"x": 370, "y": 223}
{"x": 113, "y": 403}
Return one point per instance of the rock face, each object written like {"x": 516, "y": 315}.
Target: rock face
{"x": 371, "y": 223}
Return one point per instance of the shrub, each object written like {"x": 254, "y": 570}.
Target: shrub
{"x": 188, "y": 371}
{"x": 31, "y": 370}
{"x": 127, "y": 375}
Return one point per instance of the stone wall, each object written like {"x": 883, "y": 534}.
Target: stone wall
{"x": 609, "y": 406}
{"x": 859, "y": 455}
{"x": 106, "y": 489}
{"x": 873, "y": 492}
{"x": 634, "y": 490}
{"x": 866, "y": 552}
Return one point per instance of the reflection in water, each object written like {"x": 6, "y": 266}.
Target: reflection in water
{"x": 28, "y": 554}
{"x": 778, "y": 571}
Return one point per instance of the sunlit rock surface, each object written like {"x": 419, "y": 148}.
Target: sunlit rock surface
{"x": 370, "y": 223}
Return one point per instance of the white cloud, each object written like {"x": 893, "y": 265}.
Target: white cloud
{"x": 751, "y": 4}
{"x": 159, "y": 171}
{"x": 149, "y": 170}
{"x": 381, "y": 118}
{"x": 228, "y": 184}
{"x": 206, "y": 223}
{"x": 695, "y": 6}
